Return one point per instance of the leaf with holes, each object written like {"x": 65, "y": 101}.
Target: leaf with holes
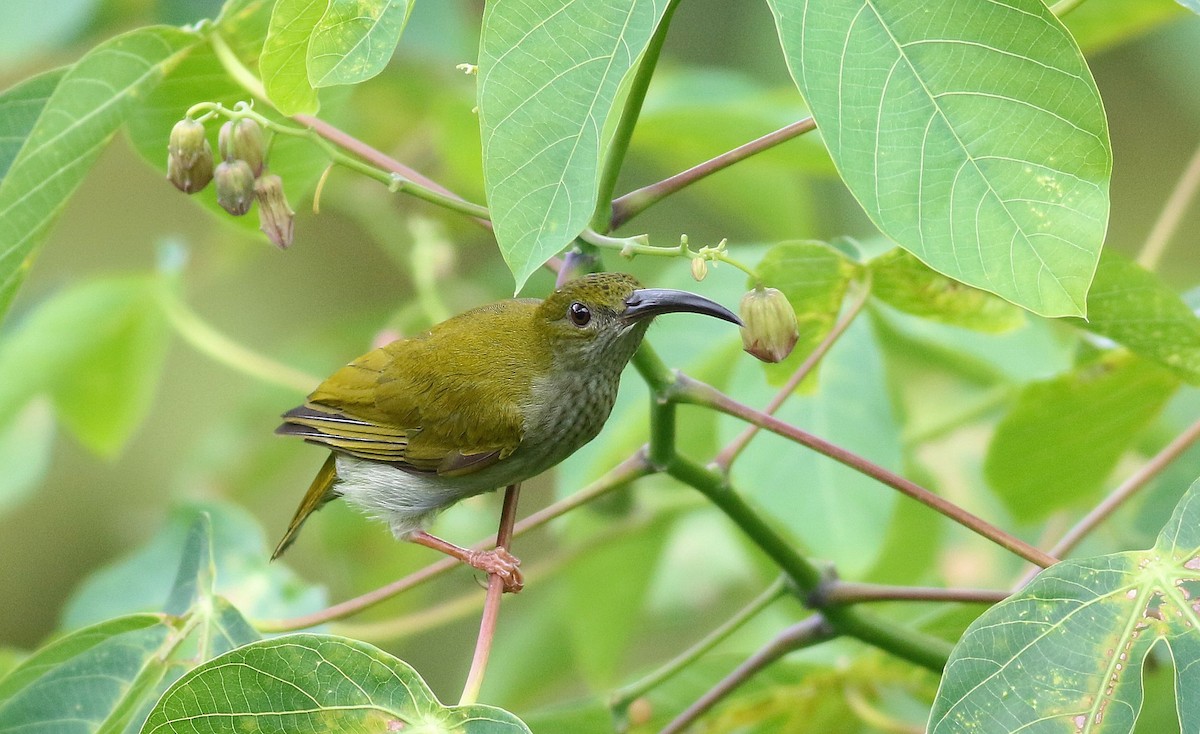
{"x": 971, "y": 132}
{"x": 1065, "y": 654}
{"x": 355, "y": 40}
{"x": 550, "y": 76}
{"x": 309, "y": 682}
{"x": 283, "y": 64}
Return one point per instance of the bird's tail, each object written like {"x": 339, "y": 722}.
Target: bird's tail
{"x": 320, "y": 492}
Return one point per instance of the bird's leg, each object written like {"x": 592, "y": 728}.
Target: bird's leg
{"x": 498, "y": 561}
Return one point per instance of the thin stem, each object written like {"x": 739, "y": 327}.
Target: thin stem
{"x": 988, "y": 402}
{"x": 236, "y": 69}
{"x": 726, "y": 457}
{"x": 207, "y": 340}
{"x": 627, "y": 694}
{"x": 635, "y": 202}
{"x": 622, "y": 474}
{"x": 809, "y": 632}
{"x": 1171, "y": 215}
{"x": 1062, "y": 7}
{"x": 1119, "y": 496}
{"x": 619, "y": 144}
{"x": 900, "y": 641}
{"x": 692, "y": 391}
{"x": 630, "y": 247}
{"x": 848, "y": 592}
{"x": 491, "y": 605}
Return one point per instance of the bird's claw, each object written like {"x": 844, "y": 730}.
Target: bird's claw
{"x": 500, "y": 563}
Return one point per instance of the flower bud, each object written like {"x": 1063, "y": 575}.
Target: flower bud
{"x": 242, "y": 140}
{"x": 274, "y": 215}
{"x": 770, "y": 329}
{"x": 189, "y": 157}
{"x": 699, "y": 268}
{"x": 235, "y": 186}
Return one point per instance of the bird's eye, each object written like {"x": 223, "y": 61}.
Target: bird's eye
{"x": 579, "y": 314}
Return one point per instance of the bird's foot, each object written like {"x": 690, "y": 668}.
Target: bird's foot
{"x": 501, "y": 563}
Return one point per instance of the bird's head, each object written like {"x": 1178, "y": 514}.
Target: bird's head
{"x": 603, "y": 316}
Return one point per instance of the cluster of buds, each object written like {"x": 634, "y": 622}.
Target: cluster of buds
{"x": 770, "y": 331}
{"x": 240, "y": 177}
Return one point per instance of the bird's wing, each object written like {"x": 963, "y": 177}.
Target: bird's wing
{"x": 432, "y": 416}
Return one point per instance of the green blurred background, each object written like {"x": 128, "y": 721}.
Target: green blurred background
{"x": 351, "y": 275}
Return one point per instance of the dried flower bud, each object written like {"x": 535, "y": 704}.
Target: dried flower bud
{"x": 699, "y": 268}
{"x": 770, "y": 329}
{"x": 242, "y": 140}
{"x": 235, "y": 186}
{"x": 274, "y": 215}
{"x": 189, "y": 157}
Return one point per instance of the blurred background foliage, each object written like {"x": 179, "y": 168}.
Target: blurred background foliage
{"x": 94, "y": 505}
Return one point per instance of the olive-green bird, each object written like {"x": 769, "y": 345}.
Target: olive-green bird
{"x": 483, "y": 400}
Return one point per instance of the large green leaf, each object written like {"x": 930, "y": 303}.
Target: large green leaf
{"x": 972, "y": 133}
{"x": 355, "y": 40}
{"x": 314, "y": 683}
{"x": 1131, "y": 305}
{"x": 20, "y": 108}
{"x": 1064, "y": 436}
{"x": 283, "y": 64}
{"x": 97, "y": 349}
{"x": 543, "y": 108}
{"x": 91, "y": 679}
{"x": 88, "y": 105}
{"x": 1066, "y": 653}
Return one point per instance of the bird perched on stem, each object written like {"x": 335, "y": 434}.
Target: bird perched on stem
{"x": 488, "y": 398}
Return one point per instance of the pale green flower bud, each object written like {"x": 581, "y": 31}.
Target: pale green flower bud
{"x": 235, "y": 186}
{"x": 699, "y": 268}
{"x": 770, "y": 330}
{"x": 242, "y": 140}
{"x": 189, "y": 157}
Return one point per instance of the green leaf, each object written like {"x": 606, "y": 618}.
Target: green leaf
{"x": 1099, "y": 24}
{"x": 97, "y": 349}
{"x": 90, "y": 102}
{"x": 1192, "y": 5}
{"x": 314, "y": 683}
{"x": 814, "y": 277}
{"x": 828, "y": 507}
{"x": 909, "y": 285}
{"x": 25, "y": 445}
{"x": 283, "y": 66}
{"x": 355, "y": 40}
{"x": 544, "y": 106}
{"x": 1066, "y": 653}
{"x": 1132, "y": 306}
{"x": 1064, "y": 436}
{"x": 20, "y": 107}
{"x": 90, "y": 680}
{"x": 143, "y": 580}
{"x": 972, "y": 134}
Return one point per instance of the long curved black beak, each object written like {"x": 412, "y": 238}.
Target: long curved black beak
{"x": 647, "y": 303}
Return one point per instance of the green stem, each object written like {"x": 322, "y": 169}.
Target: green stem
{"x": 236, "y": 69}
{"x": 627, "y": 694}
{"x": 619, "y": 145}
{"x": 850, "y": 592}
{"x": 1062, "y": 7}
{"x": 988, "y": 402}
{"x": 1171, "y": 215}
{"x": 207, "y": 340}
{"x": 629, "y": 247}
{"x": 911, "y": 645}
